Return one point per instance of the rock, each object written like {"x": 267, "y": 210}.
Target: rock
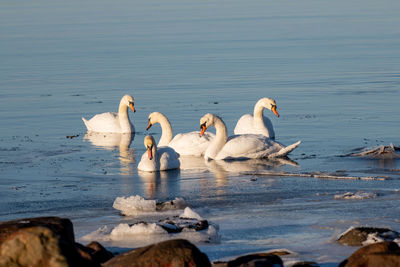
{"x": 176, "y": 204}
{"x": 174, "y": 253}
{"x": 305, "y": 264}
{"x": 179, "y": 224}
{"x": 94, "y": 252}
{"x": 60, "y": 226}
{"x": 253, "y": 260}
{"x": 39, "y": 246}
{"x": 46, "y": 241}
{"x": 379, "y": 254}
{"x": 357, "y": 236}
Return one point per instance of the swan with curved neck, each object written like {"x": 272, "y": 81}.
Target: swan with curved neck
{"x": 257, "y": 123}
{"x": 111, "y": 122}
{"x": 157, "y": 159}
{"x": 243, "y": 146}
{"x": 186, "y": 144}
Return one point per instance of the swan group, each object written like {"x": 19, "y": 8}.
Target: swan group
{"x": 186, "y": 144}
{"x": 253, "y": 139}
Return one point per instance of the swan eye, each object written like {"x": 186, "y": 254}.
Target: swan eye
{"x": 203, "y": 125}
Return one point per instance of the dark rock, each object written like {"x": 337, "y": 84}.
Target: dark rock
{"x": 99, "y": 254}
{"x": 379, "y": 254}
{"x": 253, "y": 260}
{"x": 60, "y": 226}
{"x": 39, "y": 246}
{"x": 46, "y": 241}
{"x": 356, "y": 236}
{"x": 171, "y": 227}
{"x": 201, "y": 225}
{"x": 174, "y": 253}
{"x": 176, "y": 204}
{"x": 305, "y": 264}
{"x": 94, "y": 252}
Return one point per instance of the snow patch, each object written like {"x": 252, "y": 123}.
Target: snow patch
{"x": 188, "y": 213}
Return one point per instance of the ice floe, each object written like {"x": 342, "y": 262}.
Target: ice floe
{"x": 381, "y": 152}
{"x": 135, "y": 205}
{"x": 189, "y": 213}
{"x": 187, "y": 225}
{"x": 356, "y": 195}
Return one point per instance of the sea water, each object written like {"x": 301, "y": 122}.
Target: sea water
{"x": 333, "y": 68}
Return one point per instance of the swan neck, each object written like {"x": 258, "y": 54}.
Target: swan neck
{"x": 166, "y": 131}
{"x": 123, "y": 117}
{"x": 221, "y": 136}
{"x": 258, "y": 111}
{"x": 221, "y": 132}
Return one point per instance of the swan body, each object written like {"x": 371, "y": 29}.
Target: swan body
{"x": 186, "y": 144}
{"x": 158, "y": 159}
{"x": 245, "y": 146}
{"x": 111, "y": 122}
{"x": 257, "y": 123}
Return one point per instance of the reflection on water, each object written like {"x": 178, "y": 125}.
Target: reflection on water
{"x": 110, "y": 141}
{"x": 223, "y": 169}
{"x": 382, "y": 157}
{"x": 389, "y": 164}
{"x": 159, "y": 183}
{"x": 254, "y": 165}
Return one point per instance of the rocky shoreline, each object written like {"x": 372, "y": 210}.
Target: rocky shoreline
{"x": 50, "y": 241}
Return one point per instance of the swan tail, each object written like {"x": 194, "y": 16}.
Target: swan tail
{"x": 86, "y": 122}
{"x": 284, "y": 151}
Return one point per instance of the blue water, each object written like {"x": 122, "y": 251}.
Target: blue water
{"x": 332, "y": 67}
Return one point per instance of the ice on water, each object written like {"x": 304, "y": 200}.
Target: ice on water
{"x": 191, "y": 214}
{"x": 136, "y": 205}
{"x": 145, "y": 233}
{"x": 356, "y": 195}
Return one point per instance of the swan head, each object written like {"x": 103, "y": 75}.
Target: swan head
{"x": 270, "y": 104}
{"x": 149, "y": 143}
{"x": 153, "y": 118}
{"x": 129, "y": 101}
{"x": 206, "y": 121}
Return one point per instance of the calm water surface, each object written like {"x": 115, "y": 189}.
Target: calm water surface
{"x": 332, "y": 67}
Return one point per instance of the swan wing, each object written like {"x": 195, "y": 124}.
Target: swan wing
{"x": 252, "y": 146}
{"x": 104, "y": 123}
{"x": 168, "y": 158}
{"x": 284, "y": 151}
{"x": 247, "y": 146}
{"x": 244, "y": 125}
{"x": 191, "y": 144}
{"x": 247, "y": 125}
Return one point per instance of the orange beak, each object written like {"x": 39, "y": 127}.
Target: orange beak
{"x": 203, "y": 129}
{"x": 149, "y": 153}
{"x": 274, "y": 111}
{"x": 132, "y": 107}
{"x": 148, "y": 126}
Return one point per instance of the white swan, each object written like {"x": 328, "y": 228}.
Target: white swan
{"x": 240, "y": 146}
{"x": 186, "y": 144}
{"x": 257, "y": 123}
{"x": 111, "y": 122}
{"x": 158, "y": 159}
